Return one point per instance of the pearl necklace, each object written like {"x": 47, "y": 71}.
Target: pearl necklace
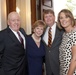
{"x": 35, "y": 38}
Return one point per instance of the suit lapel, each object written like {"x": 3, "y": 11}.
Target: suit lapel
{"x": 12, "y": 36}
{"x": 57, "y": 37}
{"x": 23, "y": 32}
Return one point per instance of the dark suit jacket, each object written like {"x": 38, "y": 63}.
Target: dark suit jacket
{"x": 12, "y": 54}
{"x": 52, "y": 54}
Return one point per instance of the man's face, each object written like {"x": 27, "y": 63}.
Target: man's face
{"x": 14, "y": 21}
{"x": 49, "y": 19}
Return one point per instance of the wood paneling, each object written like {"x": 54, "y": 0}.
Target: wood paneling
{"x": 11, "y": 5}
{"x": 33, "y": 11}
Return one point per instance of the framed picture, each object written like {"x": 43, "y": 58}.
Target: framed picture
{"x": 47, "y": 3}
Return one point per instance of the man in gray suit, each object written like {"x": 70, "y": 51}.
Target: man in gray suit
{"x": 52, "y": 52}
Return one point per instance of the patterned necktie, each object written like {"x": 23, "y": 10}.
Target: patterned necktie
{"x": 21, "y": 39}
{"x": 49, "y": 37}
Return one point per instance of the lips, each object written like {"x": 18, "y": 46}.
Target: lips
{"x": 64, "y": 22}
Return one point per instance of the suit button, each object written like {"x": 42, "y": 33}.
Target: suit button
{"x": 49, "y": 51}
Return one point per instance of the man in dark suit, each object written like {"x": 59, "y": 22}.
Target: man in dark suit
{"x": 52, "y": 51}
{"x": 13, "y": 59}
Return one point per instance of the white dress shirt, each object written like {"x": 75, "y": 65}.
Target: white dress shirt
{"x": 18, "y": 36}
{"x": 53, "y": 30}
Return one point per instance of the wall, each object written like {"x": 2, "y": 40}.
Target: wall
{"x": 25, "y": 13}
{"x": 3, "y": 18}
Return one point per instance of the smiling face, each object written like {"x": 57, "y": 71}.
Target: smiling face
{"x": 65, "y": 20}
{"x": 49, "y": 19}
{"x": 14, "y": 21}
{"x": 38, "y": 31}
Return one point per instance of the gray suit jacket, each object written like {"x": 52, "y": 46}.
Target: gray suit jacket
{"x": 52, "y": 54}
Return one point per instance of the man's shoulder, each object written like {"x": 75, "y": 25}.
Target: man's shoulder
{"x": 22, "y": 31}
{"x": 59, "y": 31}
{"x": 3, "y": 31}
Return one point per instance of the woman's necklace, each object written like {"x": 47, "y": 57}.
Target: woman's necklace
{"x": 36, "y": 40}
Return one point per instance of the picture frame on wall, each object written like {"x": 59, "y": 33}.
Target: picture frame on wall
{"x": 47, "y": 3}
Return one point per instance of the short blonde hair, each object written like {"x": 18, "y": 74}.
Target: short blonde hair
{"x": 67, "y": 14}
{"x": 39, "y": 23}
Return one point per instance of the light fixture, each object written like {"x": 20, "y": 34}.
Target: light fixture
{"x": 17, "y": 10}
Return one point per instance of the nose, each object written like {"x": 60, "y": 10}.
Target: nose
{"x": 16, "y": 21}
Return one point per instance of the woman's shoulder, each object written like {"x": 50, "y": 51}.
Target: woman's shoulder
{"x": 28, "y": 36}
{"x": 73, "y": 33}
{"x": 74, "y": 30}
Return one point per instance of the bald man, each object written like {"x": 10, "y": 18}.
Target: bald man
{"x": 13, "y": 59}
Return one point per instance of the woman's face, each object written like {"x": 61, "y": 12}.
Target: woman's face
{"x": 38, "y": 31}
{"x": 65, "y": 20}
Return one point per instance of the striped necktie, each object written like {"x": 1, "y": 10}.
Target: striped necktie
{"x": 21, "y": 39}
{"x": 49, "y": 37}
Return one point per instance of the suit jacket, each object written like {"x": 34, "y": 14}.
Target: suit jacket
{"x": 52, "y": 54}
{"x": 13, "y": 59}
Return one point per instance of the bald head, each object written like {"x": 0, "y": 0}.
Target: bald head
{"x": 14, "y": 21}
{"x": 12, "y": 14}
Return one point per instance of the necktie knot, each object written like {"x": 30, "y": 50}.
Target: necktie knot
{"x": 50, "y": 29}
